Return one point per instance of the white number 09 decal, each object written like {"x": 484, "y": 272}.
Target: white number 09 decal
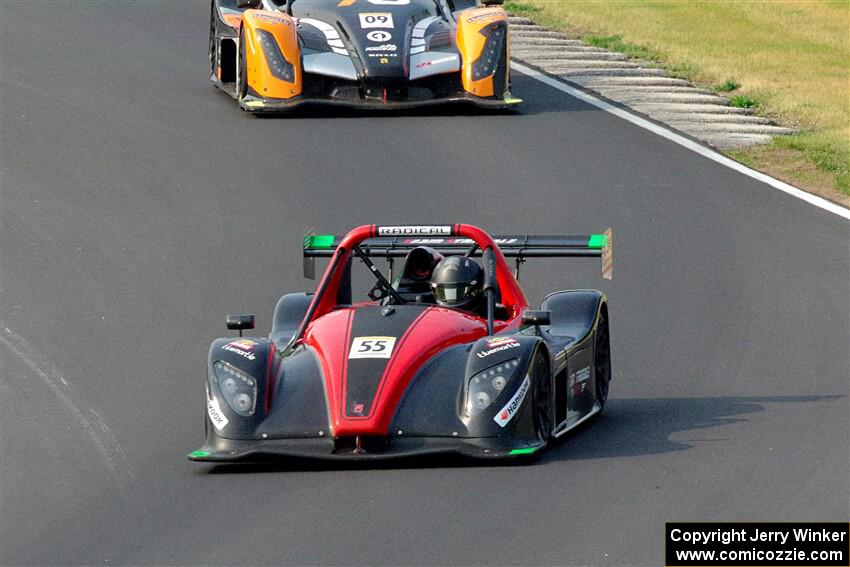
{"x": 371, "y": 347}
{"x": 368, "y": 21}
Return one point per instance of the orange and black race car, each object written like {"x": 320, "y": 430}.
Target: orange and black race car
{"x": 274, "y": 55}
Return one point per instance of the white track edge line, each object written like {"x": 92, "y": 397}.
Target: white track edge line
{"x": 677, "y": 138}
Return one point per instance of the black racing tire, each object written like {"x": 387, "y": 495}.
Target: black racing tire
{"x": 501, "y": 78}
{"x": 243, "y": 67}
{"x": 542, "y": 395}
{"x": 213, "y": 43}
{"x": 602, "y": 358}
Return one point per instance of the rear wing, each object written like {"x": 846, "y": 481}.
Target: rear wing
{"x": 520, "y": 247}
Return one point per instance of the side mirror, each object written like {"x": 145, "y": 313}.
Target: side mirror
{"x": 530, "y": 317}
{"x": 241, "y": 322}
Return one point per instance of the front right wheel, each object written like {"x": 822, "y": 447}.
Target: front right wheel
{"x": 213, "y": 42}
{"x": 243, "y": 66}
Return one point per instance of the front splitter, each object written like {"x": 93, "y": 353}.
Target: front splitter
{"x": 255, "y": 104}
{"x": 222, "y": 450}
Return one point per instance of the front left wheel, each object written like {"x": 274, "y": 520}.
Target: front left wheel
{"x": 602, "y": 359}
{"x": 542, "y": 395}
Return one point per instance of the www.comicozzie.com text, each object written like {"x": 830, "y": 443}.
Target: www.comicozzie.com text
{"x": 754, "y": 534}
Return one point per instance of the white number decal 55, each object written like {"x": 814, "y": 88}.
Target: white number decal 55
{"x": 371, "y": 347}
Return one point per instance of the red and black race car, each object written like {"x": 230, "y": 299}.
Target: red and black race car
{"x": 276, "y": 55}
{"x": 402, "y": 372}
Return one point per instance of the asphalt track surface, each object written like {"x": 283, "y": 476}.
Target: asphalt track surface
{"x": 139, "y": 206}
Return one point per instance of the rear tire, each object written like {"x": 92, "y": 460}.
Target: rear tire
{"x": 602, "y": 359}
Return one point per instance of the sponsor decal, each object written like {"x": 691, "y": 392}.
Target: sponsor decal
{"x": 358, "y": 408}
{"x": 271, "y": 19}
{"x": 456, "y": 241}
{"x": 383, "y": 56}
{"x": 484, "y": 16}
{"x": 507, "y": 413}
{"x": 494, "y": 342}
{"x": 435, "y": 62}
{"x": 384, "y": 61}
{"x": 372, "y": 347}
{"x": 378, "y": 20}
{"x": 388, "y": 47}
{"x": 498, "y": 345}
{"x": 217, "y": 417}
{"x": 379, "y": 36}
{"x": 583, "y": 374}
{"x": 241, "y": 347}
{"x": 578, "y": 381}
{"x": 413, "y": 230}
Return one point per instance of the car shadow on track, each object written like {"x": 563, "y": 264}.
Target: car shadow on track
{"x": 629, "y": 427}
{"x": 633, "y": 427}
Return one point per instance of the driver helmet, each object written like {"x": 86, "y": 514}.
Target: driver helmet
{"x": 457, "y": 282}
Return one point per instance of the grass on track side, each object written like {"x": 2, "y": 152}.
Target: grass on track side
{"x": 788, "y": 60}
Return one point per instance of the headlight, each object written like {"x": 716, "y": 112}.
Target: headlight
{"x": 237, "y": 388}
{"x": 486, "y": 386}
{"x": 279, "y": 66}
{"x": 485, "y": 65}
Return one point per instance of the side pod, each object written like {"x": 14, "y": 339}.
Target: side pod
{"x": 270, "y": 57}
{"x": 573, "y": 313}
{"x": 288, "y": 314}
{"x": 483, "y": 42}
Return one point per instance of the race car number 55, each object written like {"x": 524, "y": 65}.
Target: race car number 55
{"x": 372, "y": 347}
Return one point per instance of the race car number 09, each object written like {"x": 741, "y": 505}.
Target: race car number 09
{"x": 371, "y": 347}
{"x": 368, "y": 21}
